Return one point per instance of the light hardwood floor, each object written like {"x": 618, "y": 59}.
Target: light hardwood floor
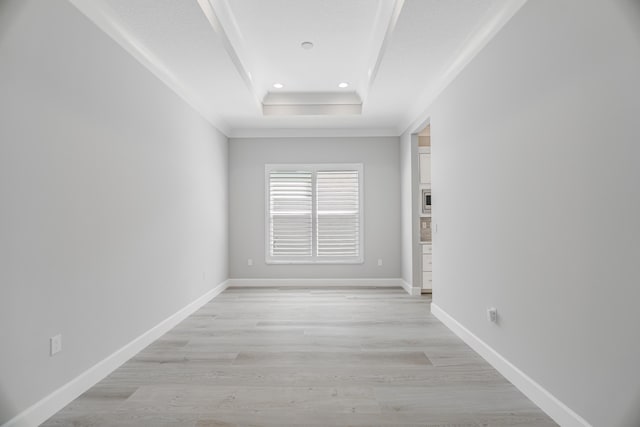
{"x": 312, "y": 357}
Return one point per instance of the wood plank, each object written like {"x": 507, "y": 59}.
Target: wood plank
{"x": 306, "y": 356}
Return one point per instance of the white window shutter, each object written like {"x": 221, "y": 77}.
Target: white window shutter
{"x": 338, "y": 213}
{"x": 290, "y": 214}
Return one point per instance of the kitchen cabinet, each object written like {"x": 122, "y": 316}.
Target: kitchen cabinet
{"x": 425, "y": 165}
{"x": 427, "y": 267}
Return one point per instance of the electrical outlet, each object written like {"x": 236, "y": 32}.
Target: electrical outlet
{"x": 492, "y": 315}
{"x": 249, "y": 262}
{"x": 55, "y": 344}
{"x": 379, "y": 262}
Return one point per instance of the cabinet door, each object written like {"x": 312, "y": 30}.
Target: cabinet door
{"x": 425, "y": 168}
{"x": 426, "y": 281}
{"x": 427, "y": 264}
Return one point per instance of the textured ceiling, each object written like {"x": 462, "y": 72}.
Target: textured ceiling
{"x": 392, "y": 62}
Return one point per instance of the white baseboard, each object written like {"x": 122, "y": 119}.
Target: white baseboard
{"x": 375, "y": 282}
{"x": 39, "y": 412}
{"x": 411, "y": 290}
{"x": 557, "y": 410}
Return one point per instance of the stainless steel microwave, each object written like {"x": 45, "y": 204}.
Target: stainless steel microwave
{"x": 426, "y": 201}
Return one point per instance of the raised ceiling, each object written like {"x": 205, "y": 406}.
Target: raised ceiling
{"x": 224, "y": 56}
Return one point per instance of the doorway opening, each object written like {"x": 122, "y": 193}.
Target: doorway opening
{"x": 425, "y": 223}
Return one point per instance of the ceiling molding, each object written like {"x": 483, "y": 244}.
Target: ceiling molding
{"x": 376, "y": 61}
{"x": 103, "y": 19}
{"x": 311, "y": 98}
{"x": 219, "y": 15}
{"x": 419, "y": 115}
{"x": 313, "y": 133}
{"x": 311, "y": 104}
{"x": 312, "y": 110}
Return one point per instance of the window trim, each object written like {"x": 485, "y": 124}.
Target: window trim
{"x": 313, "y": 168}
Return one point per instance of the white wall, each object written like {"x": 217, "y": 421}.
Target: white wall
{"x": 380, "y": 157}
{"x": 535, "y": 172}
{"x": 409, "y": 193}
{"x": 406, "y": 203}
{"x": 113, "y": 199}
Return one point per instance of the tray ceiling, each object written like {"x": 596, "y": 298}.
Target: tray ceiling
{"x": 224, "y": 57}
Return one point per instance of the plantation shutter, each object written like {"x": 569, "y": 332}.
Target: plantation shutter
{"x": 290, "y": 214}
{"x": 338, "y": 213}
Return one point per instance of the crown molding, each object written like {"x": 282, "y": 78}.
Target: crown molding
{"x": 226, "y": 27}
{"x": 378, "y": 54}
{"x": 311, "y": 98}
{"x": 220, "y": 16}
{"x": 312, "y": 110}
{"x": 102, "y": 17}
{"x": 421, "y": 111}
{"x": 313, "y": 133}
{"x": 311, "y": 104}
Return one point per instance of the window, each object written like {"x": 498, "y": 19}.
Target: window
{"x": 314, "y": 213}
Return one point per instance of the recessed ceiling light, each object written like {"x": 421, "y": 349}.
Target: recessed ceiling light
{"x": 343, "y": 85}
{"x": 307, "y": 45}
{"x": 278, "y": 85}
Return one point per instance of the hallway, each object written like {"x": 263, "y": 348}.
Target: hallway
{"x": 313, "y": 357}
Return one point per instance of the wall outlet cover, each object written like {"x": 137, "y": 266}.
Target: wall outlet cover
{"x": 55, "y": 344}
{"x": 492, "y": 315}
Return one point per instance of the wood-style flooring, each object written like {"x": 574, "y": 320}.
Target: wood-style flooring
{"x": 307, "y": 357}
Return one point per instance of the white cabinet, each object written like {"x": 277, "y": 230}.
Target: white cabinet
{"x": 427, "y": 267}
{"x": 425, "y": 167}
{"x": 427, "y": 281}
{"x": 424, "y": 159}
